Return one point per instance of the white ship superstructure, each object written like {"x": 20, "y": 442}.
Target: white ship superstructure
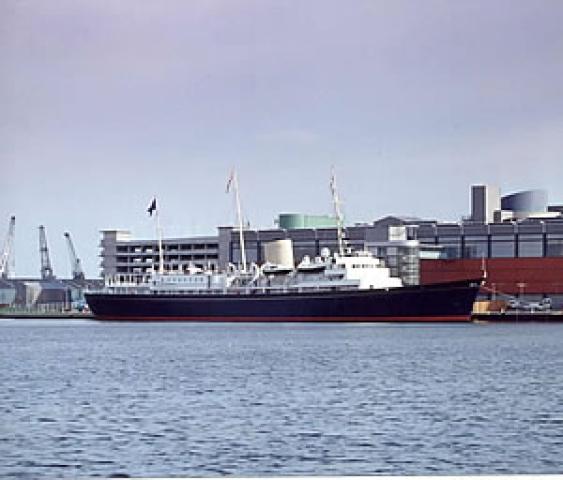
{"x": 352, "y": 271}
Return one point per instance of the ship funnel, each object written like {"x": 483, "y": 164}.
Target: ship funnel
{"x": 279, "y": 252}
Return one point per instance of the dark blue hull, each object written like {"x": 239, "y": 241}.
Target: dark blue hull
{"x": 447, "y": 302}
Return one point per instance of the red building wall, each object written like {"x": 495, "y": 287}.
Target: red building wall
{"x": 506, "y": 275}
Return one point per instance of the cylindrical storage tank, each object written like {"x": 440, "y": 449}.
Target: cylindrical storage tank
{"x": 526, "y": 201}
{"x": 290, "y": 221}
{"x": 279, "y": 252}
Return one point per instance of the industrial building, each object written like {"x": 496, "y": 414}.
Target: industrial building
{"x": 123, "y": 255}
{"x": 7, "y": 293}
{"x": 487, "y": 205}
{"x": 517, "y": 240}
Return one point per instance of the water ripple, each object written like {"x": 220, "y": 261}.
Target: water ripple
{"x": 134, "y": 400}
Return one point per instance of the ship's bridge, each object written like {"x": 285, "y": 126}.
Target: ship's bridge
{"x": 365, "y": 269}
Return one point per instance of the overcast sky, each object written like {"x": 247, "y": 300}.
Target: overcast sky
{"x": 104, "y": 104}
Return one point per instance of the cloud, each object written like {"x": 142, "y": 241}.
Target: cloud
{"x": 419, "y": 99}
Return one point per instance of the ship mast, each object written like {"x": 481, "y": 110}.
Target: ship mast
{"x": 154, "y": 208}
{"x": 160, "y": 252}
{"x": 337, "y": 212}
{"x": 233, "y": 180}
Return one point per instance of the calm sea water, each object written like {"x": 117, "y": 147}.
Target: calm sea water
{"x": 86, "y": 399}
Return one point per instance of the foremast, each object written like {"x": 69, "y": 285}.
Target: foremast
{"x": 337, "y": 212}
{"x": 233, "y": 180}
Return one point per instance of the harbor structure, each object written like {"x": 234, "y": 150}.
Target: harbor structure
{"x": 6, "y": 255}
{"x": 75, "y": 263}
{"x": 52, "y": 294}
{"x": 46, "y": 292}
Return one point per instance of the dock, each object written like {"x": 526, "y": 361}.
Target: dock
{"x": 516, "y": 316}
{"x": 32, "y": 314}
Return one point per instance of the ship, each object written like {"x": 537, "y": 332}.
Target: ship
{"x": 205, "y": 297}
{"x": 340, "y": 286}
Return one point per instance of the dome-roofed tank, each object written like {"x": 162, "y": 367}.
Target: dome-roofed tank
{"x": 526, "y": 201}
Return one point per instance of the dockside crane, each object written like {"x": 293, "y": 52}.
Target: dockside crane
{"x": 76, "y": 267}
{"x": 7, "y": 259}
{"x": 46, "y": 269}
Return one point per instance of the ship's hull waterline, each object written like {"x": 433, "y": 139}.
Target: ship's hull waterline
{"x": 447, "y": 302}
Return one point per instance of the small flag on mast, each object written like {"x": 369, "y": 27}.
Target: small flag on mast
{"x": 152, "y": 207}
{"x": 333, "y": 182}
{"x": 230, "y": 181}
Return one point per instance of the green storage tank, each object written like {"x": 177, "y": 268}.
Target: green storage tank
{"x": 290, "y": 221}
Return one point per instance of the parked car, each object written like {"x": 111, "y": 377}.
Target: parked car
{"x": 543, "y": 305}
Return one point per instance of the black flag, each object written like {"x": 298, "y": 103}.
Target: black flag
{"x": 152, "y": 207}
